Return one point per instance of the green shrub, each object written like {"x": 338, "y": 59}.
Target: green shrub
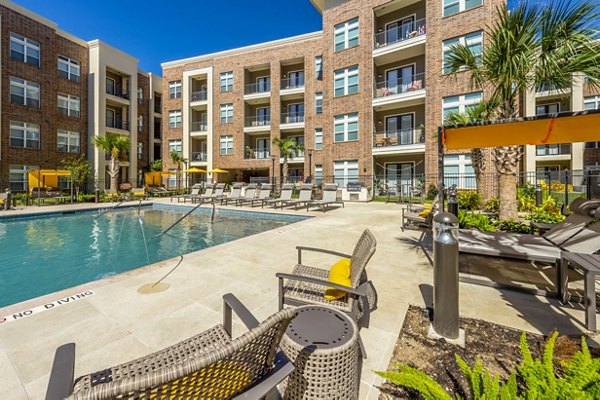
{"x": 579, "y": 377}
{"x": 492, "y": 204}
{"x": 86, "y": 198}
{"x": 526, "y": 198}
{"x": 548, "y": 212}
{"x": 431, "y": 192}
{"x": 467, "y": 220}
{"x": 468, "y": 200}
{"x": 513, "y": 226}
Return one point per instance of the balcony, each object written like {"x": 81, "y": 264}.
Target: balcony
{"x": 409, "y": 89}
{"x": 200, "y": 126}
{"x": 402, "y": 33}
{"x": 118, "y": 92}
{"x": 553, "y": 150}
{"x": 256, "y": 154}
{"x": 547, "y": 89}
{"x": 198, "y": 156}
{"x": 292, "y": 83}
{"x": 157, "y": 134}
{"x": 258, "y": 88}
{"x": 403, "y": 140}
{"x": 117, "y": 124}
{"x": 200, "y": 95}
{"x": 257, "y": 123}
{"x": 292, "y": 121}
{"x": 158, "y": 107}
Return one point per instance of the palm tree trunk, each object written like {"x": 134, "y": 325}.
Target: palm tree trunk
{"x": 285, "y": 170}
{"x": 113, "y": 171}
{"x": 506, "y": 161}
{"x": 479, "y": 167}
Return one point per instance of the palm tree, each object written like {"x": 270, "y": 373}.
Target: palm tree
{"x": 288, "y": 149}
{"x": 484, "y": 111}
{"x": 177, "y": 159}
{"x": 528, "y": 46}
{"x": 116, "y": 145}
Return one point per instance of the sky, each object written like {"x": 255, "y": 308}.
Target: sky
{"x": 158, "y": 31}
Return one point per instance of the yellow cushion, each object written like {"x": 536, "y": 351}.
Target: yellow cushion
{"x": 340, "y": 274}
{"x": 424, "y": 213}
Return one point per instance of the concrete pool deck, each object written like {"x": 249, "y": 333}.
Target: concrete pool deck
{"x": 117, "y": 323}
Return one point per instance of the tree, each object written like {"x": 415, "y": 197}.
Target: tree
{"x": 156, "y": 165}
{"x": 528, "y": 46}
{"x": 79, "y": 167}
{"x": 116, "y": 145}
{"x": 484, "y": 111}
{"x": 288, "y": 149}
{"x": 177, "y": 159}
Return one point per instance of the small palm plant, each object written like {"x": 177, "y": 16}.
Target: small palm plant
{"x": 116, "y": 145}
{"x": 288, "y": 148}
{"x": 178, "y": 160}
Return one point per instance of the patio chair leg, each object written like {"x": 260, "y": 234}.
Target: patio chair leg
{"x": 280, "y": 294}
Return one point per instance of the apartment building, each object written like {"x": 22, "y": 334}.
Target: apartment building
{"x": 58, "y": 91}
{"x": 364, "y": 96}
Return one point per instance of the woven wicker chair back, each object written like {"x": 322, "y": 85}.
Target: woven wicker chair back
{"x": 364, "y": 250}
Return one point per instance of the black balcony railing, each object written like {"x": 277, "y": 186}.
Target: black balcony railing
{"x": 401, "y": 85}
{"x": 400, "y": 33}
{"x": 158, "y": 108}
{"x": 157, "y": 133}
{"x": 115, "y": 91}
{"x": 262, "y": 120}
{"x": 262, "y": 87}
{"x": 256, "y": 154}
{"x": 117, "y": 124}
{"x": 292, "y": 118}
{"x": 293, "y": 82}
{"x": 198, "y": 156}
{"x": 199, "y": 127}
{"x": 400, "y": 137}
{"x": 553, "y": 150}
{"x": 200, "y": 95}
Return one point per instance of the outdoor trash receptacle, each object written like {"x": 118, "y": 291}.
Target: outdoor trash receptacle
{"x": 322, "y": 343}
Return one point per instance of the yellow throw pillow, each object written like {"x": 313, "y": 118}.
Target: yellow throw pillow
{"x": 340, "y": 274}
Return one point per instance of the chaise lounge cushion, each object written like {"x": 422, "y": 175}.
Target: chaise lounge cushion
{"x": 340, "y": 274}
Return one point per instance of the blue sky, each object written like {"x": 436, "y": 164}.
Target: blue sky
{"x": 158, "y": 31}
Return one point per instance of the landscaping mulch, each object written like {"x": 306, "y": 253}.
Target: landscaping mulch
{"x": 495, "y": 345}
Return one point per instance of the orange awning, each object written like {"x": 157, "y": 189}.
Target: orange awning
{"x": 561, "y": 128}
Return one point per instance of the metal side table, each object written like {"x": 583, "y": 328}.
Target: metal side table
{"x": 323, "y": 345}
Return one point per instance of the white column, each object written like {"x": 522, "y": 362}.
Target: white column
{"x": 529, "y": 157}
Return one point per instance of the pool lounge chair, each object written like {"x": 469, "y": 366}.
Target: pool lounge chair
{"x": 329, "y": 197}
{"x": 306, "y": 192}
{"x": 417, "y": 219}
{"x": 264, "y": 194}
{"x": 307, "y": 284}
{"x": 159, "y": 191}
{"x": 249, "y": 194}
{"x": 287, "y": 190}
{"x": 195, "y": 191}
{"x": 210, "y": 197}
{"x": 236, "y": 194}
{"x": 209, "y": 365}
{"x": 138, "y": 193}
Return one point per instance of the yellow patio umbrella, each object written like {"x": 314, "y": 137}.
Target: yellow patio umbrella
{"x": 218, "y": 171}
{"x": 168, "y": 173}
{"x": 193, "y": 170}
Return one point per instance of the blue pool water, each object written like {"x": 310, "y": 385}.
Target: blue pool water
{"x": 43, "y": 254}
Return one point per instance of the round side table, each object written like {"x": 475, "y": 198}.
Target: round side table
{"x": 322, "y": 343}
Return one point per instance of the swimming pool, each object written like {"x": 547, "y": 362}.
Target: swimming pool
{"x": 47, "y": 253}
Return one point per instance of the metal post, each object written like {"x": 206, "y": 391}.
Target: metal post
{"x": 8, "y": 199}
{"x": 96, "y": 193}
{"x": 452, "y": 201}
{"x": 309, "y": 166}
{"x": 588, "y": 184}
{"x": 566, "y": 203}
{"x": 539, "y": 196}
{"x": 445, "y": 277}
{"x": 441, "y": 168}
{"x": 273, "y": 171}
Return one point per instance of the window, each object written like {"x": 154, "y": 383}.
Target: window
{"x": 592, "y": 145}
{"x": 459, "y": 104}
{"x": 591, "y": 103}
{"x": 227, "y": 81}
{"x": 68, "y": 69}
{"x": 345, "y": 127}
{"x": 319, "y": 102}
{"x": 344, "y": 171}
{"x": 318, "y": 174}
{"x": 346, "y": 35}
{"x": 455, "y": 6}
{"x": 318, "y": 139}
{"x": 226, "y": 145}
{"x": 23, "y": 49}
{"x": 140, "y": 151}
{"x": 175, "y": 145}
{"x": 68, "y": 141}
{"x": 140, "y": 96}
{"x": 319, "y": 67}
{"x": 18, "y": 176}
{"x": 24, "y": 92}
{"x": 459, "y": 171}
{"x": 346, "y": 81}
{"x": 172, "y": 181}
{"x": 140, "y": 123}
{"x": 24, "y": 135}
{"x": 68, "y": 105}
{"x": 473, "y": 41}
{"x": 174, "y": 89}
{"x": 545, "y": 109}
{"x": 226, "y": 113}
{"x": 175, "y": 119}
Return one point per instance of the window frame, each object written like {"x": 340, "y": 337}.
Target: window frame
{"x": 461, "y": 104}
{"x": 462, "y": 40}
{"x": 319, "y": 68}
{"x": 226, "y": 113}
{"x": 463, "y": 160}
{"x": 69, "y": 136}
{"x": 140, "y": 151}
{"x": 461, "y": 7}
{"x": 25, "y": 86}
{"x": 175, "y": 89}
{"x": 176, "y": 144}
{"x": 175, "y": 119}
{"x": 71, "y": 100}
{"x": 70, "y": 65}
{"x": 318, "y": 138}
{"x": 345, "y": 120}
{"x": 345, "y": 28}
{"x": 28, "y": 45}
{"x": 346, "y": 177}
{"x": 23, "y": 170}
{"x": 344, "y": 75}
{"x": 26, "y": 128}
{"x": 226, "y": 81}
{"x": 225, "y": 145}
{"x": 319, "y": 102}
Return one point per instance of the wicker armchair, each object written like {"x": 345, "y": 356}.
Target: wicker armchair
{"x": 209, "y": 365}
{"x": 306, "y": 284}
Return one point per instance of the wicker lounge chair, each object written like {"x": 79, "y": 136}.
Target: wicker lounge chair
{"x": 249, "y": 195}
{"x": 264, "y": 194}
{"x": 329, "y": 197}
{"x": 193, "y": 193}
{"x": 307, "y": 285}
{"x": 286, "y": 194}
{"x": 235, "y": 195}
{"x": 210, "y": 365}
{"x": 306, "y": 192}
